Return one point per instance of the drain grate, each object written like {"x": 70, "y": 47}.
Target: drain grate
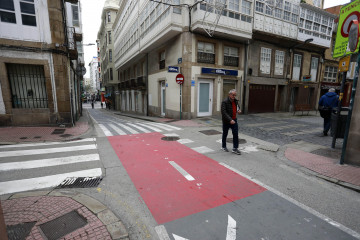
{"x": 63, "y": 225}
{"x": 210, "y": 132}
{"x": 170, "y": 138}
{"x": 37, "y": 137}
{"x": 58, "y": 131}
{"x": 19, "y": 231}
{"x": 80, "y": 182}
{"x": 23, "y": 138}
{"x": 241, "y": 141}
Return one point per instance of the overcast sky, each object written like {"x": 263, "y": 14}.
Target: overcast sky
{"x": 91, "y": 18}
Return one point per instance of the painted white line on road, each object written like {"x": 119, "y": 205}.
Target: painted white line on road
{"x": 46, "y": 151}
{"x": 105, "y": 130}
{"x": 202, "y": 149}
{"x": 162, "y": 233}
{"x": 176, "y": 237}
{"x": 310, "y": 210}
{"x": 184, "y": 141}
{"x": 171, "y": 135}
{"x": 117, "y": 130}
{"x": 162, "y": 125}
{"x": 249, "y": 149}
{"x": 44, "y": 182}
{"x": 47, "y": 143}
{"x": 182, "y": 171}
{"x": 48, "y": 162}
{"x": 132, "y": 131}
{"x": 231, "y": 229}
{"x": 150, "y": 127}
{"x": 138, "y": 127}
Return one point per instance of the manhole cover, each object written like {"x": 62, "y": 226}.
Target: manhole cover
{"x": 58, "y": 131}
{"x": 23, "y": 138}
{"x": 210, "y": 132}
{"x": 241, "y": 141}
{"x": 66, "y": 135}
{"x": 19, "y": 231}
{"x": 37, "y": 137}
{"x": 63, "y": 225}
{"x": 80, "y": 182}
{"x": 170, "y": 138}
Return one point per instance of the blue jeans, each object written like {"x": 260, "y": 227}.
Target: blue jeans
{"x": 235, "y": 133}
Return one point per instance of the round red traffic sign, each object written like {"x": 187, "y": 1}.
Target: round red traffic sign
{"x": 179, "y": 78}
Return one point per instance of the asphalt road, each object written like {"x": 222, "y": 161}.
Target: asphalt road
{"x": 142, "y": 187}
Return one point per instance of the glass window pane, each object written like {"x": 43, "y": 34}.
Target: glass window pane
{"x": 27, "y": 8}
{"x": 7, "y": 4}
{"x": 28, "y": 20}
{"x": 7, "y": 17}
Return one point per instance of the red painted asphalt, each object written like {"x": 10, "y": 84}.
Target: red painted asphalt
{"x": 166, "y": 192}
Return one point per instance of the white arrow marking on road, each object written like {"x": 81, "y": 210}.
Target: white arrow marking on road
{"x": 231, "y": 229}
{"x": 249, "y": 149}
{"x": 182, "y": 171}
{"x": 179, "y": 238}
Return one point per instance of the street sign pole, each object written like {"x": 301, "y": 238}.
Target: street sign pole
{"x": 180, "y": 100}
{"x": 180, "y": 80}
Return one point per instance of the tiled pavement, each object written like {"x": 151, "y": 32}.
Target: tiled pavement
{"x": 38, "y": 206}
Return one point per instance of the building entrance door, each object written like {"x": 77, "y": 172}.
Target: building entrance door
{"x": 163, "y": 97}
{"x": 205, "y": 95}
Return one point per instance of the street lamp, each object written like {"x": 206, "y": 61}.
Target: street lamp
{"x": 309, "y": 40}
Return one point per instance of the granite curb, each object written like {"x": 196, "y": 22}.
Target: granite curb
{"x": 113, "y": 224}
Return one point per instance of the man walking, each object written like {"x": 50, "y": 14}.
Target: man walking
{"x": 326, "y": 103}
{"x": 228, "y": 111}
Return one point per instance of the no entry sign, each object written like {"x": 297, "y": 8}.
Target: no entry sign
{"x": 179, "y": 78}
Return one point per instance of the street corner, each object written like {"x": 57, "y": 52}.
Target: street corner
{"x": 57, "y": 215}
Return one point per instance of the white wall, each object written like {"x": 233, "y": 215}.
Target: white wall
{"x": 40, "y": 33}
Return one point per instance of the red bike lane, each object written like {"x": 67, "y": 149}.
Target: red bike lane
{"x": 176, "y": 181}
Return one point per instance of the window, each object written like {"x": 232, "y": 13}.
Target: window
{"x": 308, "y": 25}
{"x": 75, "y": 15}
{"x": 109, "y": 36}
{"x": 286, "y": 15}
{"x": 317, "y": 18}
{"x": 279, "y": 62}
{"x": 268, "y": 10}
{"x": 314, "y": 68}
{"x": 108, "y": 16}
{"x": 162, "y": 60}
{"x": 110, "y": 55}
{"x": 246, "y": 7}
{"x": 295, "y": 9}
{"x": 28, "y": 13}
{"x": 234, "y": 5}
{"x": 323, "y": 29}
{"x": 231, "y": 56}
{"x": 279, "y": 3}
{"x": 265, "y": 60}
{"x": 309, "y": 15}
{"x": 111, "y": 74}
{"x": 206, "y": 53}
{"x": 27, "y": 85}
{"x": 296, "y": 66}
{"x": 259, "y": 7}
{"x": 330, "y": 74}
{"x": 316, "y": 27}
{"x": 176, "y": 9}
{"x": 287, "y": 6}
{"x": 294, "y": 18}
{"x": 278, "y": 13}
{"x": 7, "y": 11}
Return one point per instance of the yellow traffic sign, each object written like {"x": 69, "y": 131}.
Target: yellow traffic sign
{"x": 344, "y": 64}
{"x": 348, "y": 13}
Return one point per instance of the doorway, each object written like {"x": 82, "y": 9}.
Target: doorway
{"x": 162, "y": 97}
{"x": 205, "y": 95}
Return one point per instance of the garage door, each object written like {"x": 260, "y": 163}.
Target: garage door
{"x": 261, "y": 98}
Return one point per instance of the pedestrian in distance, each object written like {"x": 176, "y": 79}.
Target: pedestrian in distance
{"x": 92, "y": 104}
{"x": 327, "y": 102}
{"x": 102, "y": 105}
{"x": 229, "y": 109}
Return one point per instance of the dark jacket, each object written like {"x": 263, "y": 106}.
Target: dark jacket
{"x": 227, "y": 110}
{"x": 329, "y": 99}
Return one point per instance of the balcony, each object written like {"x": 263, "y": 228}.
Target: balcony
{"x": 233, "y": 25}
{"x": 78, "y": 37}
{"x": 132, "y": 83}
{"x": 71, "y": 44}
{"x": 141, "y": 82}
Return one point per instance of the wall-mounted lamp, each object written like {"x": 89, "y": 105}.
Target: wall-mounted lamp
{"x": 309, "y": 40}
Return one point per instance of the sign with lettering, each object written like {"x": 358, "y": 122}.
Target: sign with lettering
{"x": 220, "y": 71}
{"x": 306, "y": 78}
{"x": 179, "y": 78}
{"x": 348, "y": 13}
{"x": 173, "y": 69}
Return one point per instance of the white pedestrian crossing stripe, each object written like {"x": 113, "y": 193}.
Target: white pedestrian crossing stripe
{"x": 112, "y": 127}
{"x": 36, "y": 164}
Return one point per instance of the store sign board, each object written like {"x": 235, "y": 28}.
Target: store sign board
{"x": 220, "y": 71}
{"x": 348, "y": 13}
